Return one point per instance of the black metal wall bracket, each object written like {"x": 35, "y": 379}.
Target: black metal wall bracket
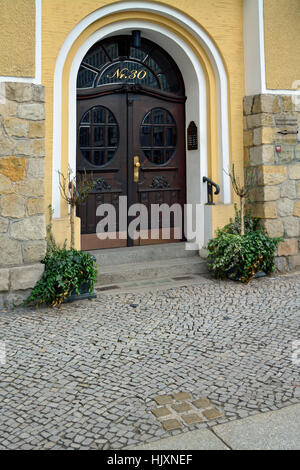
{"x": 286, "y": 132}
{"x": 210, "y": 193}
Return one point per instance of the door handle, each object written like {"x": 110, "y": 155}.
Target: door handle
{"x": 136, "y": 168}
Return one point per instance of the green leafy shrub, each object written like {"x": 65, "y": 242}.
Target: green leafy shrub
{"x": 65, "y": 272}
{"x": 240, "y": 257}
{"x": 242, "y": 248}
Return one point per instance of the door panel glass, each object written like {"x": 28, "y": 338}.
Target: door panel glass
{"x": 169, "y": 119}
{"x": 158, "y": 136}
{"x": 158, "y": 157}
{"x": 84, "y": 138}
{"x": 86, "y": 118}
{"x": 168, "y": 154}
{"x": 99, "y": 114}
{"x": 147, "y": 119}
{"x": 158, "y": 116}
{"x": 146, "y": 137}
{"x": 99, "y": 157}
{"x": 170, "y": 136}
{"x": 148, "y": 154}
{"x": 163, "y": 136}
{"x": 111, "y": 119}
{"x": 99, "y": 139}
{"x": 110, "y": 154}
{"x": 112, "y": 136}
{"x": 86, "y": 154}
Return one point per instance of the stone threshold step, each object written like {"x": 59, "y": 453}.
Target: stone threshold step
{"x": 150, "y": 284}
{"x": 136, "y": 254}
{"x": 151, "y": 269}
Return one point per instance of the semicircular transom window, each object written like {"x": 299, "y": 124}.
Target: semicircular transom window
{"x": 116, "y": 60}
{"x": 98, "y": 135}
{"x": 158, "y": 136}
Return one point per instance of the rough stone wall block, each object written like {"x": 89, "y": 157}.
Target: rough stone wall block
{"x": 276, "y": 196}
{"x": 25, "y": 277}
{"x": 4, "y": 280}
{"x": 22, "y": 172}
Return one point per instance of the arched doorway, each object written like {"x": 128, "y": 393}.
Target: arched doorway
{"x": 130, "y": 112}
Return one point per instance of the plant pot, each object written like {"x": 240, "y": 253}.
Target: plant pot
{"x": 231, "y": 271}
{"x": 260, "y": 274}
{"x": 238, "y": 278}
{"x": 84, "y": 293}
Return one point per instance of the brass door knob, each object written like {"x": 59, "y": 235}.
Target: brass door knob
{"x": 136, "y": 166}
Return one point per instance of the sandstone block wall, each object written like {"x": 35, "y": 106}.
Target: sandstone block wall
{"x": 272, "y": 155}
{"x": 22, "y": 219}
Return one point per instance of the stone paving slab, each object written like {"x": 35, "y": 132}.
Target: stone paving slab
{"x": 202, "y": 439}
{"x": 275, "y": 430}
{"x": 85, "y": 376}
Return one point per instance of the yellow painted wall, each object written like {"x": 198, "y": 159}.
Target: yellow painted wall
{"x": 221, "y": 214}
{"x": 223, "y": 20}
{"x": 17, "y": 38}
{"x": 282, "y": 43}
{"x": 62, "y": 231}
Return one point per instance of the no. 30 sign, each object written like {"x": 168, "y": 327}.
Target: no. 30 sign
{"x": 127, "y": 74}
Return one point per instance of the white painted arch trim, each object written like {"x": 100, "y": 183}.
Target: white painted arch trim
{"x": 199, "y": 34}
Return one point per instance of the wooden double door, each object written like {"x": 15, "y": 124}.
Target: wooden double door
{"x": 133, "y": 145}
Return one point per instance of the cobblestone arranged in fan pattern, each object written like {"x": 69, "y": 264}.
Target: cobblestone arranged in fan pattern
{"x": 86, "y": 376}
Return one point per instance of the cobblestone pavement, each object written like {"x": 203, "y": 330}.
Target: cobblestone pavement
{"x": 85, "y": 376}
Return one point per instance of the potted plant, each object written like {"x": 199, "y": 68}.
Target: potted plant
{"x": 69, "y": 274}
{"x": 74, "y": 190}
{"x": 242, "y": 249}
